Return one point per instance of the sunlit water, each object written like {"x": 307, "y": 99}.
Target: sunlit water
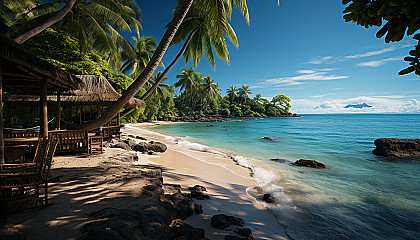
{"x": 358, "y": 196}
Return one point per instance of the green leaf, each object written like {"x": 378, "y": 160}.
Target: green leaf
{"x": 407, "y": 70}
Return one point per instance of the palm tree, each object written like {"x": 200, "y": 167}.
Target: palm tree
{"x": 42, "y": 10}
{"x": 99, "y": 23}
{"x": 283, "y": 101}
{"x": 171, "y": 30}
{"x": 257, "y": 98}
{"x": 144, "y": 50}
{"x": 231, "y": 91}
{"x": 211, "y": 90}
{"x": 95, "y": 23}
{"x": 244, "y": 92}
{"x": 190, "y": 83}
{"x": 202, "y": 31}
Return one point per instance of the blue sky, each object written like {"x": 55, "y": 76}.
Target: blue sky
{"x": 305, "y": 50}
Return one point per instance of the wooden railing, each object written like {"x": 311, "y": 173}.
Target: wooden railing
{"x": 111, "y": 131}
{"x": 71, "y": 140}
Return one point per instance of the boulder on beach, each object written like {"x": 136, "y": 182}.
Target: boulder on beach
{"x": 309, "y": 163}
{"x": 222, "y": 221}
{"x": 397, "y": 148}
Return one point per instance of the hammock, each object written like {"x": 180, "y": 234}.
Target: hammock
{"x": 28, "y": 129}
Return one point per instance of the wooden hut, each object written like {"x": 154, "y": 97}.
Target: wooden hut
{"x": 97, "y": 91}
{"x": 23, "y": 73}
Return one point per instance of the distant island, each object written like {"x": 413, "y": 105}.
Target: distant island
{"x": 363, "y": 105}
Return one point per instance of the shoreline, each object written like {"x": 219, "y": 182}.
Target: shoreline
{"x": 86, "y": 192}
{"x": 232, "y": 181}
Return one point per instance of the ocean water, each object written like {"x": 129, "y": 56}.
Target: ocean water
{"x": 358, "y": 195}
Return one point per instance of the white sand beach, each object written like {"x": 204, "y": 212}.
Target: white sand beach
{"x": 87, "y": 184}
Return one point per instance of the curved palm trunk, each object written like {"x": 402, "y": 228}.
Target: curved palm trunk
{"x": 147, "y": 72}
{"x": 159, "y": 80}
{"x": 50, "y": 21}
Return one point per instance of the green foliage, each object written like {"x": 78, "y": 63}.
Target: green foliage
{"x": 396, "y": 18}
{"x": 62, "y": 50}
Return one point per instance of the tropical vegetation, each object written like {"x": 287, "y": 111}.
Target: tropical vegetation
{"x": 84, "y": 37}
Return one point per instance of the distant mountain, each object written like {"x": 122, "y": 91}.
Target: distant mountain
{"x": 363, "y": 105}
{"x": 323, "y": 106}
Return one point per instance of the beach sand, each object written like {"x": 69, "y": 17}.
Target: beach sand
{"x": 87, "y": 184}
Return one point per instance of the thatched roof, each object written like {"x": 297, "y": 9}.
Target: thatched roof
{"x": 96, "y": 90}
{"x": 22, "y": 72}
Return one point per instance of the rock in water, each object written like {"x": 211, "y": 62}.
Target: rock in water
{"x": 268, "y": 198}
{"x": 268, "y": 139}
{"x": 309, "y": 163}
{"x": 397, "y": 148}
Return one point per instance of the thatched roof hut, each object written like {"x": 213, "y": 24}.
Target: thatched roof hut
{"x": 96, "y": 91}
{"x": 22, "y": 72}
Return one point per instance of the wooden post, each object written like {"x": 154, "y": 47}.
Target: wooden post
{"x": 118, "y": 119}
{"x": 58, "y": 112}
{"x": 1, "y": 119}
{"x": 43, "y": 108}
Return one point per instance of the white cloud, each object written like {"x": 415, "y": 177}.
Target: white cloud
{"x": 372, "y": 53}
{"x": 320, "y": 60}
{"x": 334, "y": 59}
{"x": 305, "y": 76}
{"x": 380, "y": 104}
{"x": 379, "y": 62}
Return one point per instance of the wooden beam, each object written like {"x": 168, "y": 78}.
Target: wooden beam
{"x": 1, "y": 119}
{"x": 43, "y": 109}
{"x": 58, "y": 112}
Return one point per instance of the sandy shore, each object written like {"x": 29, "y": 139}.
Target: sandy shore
{"x": 88, "y": 184}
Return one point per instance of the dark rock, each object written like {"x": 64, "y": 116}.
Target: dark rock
{"x": 183, "y": 205}
{"x": 157, "y": 147}
{"x": 198, "y": 188}
{"x": 231, "y": 237}
{"x": 268, "y": 198}
{"x": 180, "y": 230}
{"x": 198, "y": 208}
{"x": 197, "y": 192}
{"x": 397, "y": 148}
{"x": 151, "y": 153}
{"x": 309, "y": 163}
{"x": 246, "y": 232}
{"x": 130, "y": 142}
{"x": 171, "y": 188}
{"x": 151, "y": 146}
{"x": 122, "y": 145}
{"x": 268, "y": 139}
{"x": 141, "y": 138}
{"x": 222, "y": 221}
{"x": 278, "y": 160}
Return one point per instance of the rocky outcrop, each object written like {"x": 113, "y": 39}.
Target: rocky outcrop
{"x": 397, "y": 148}
{"x": 198, "y": 192}
{"x": 309, "y": 163}
{"x": 150, "y": 146}
{"x": 268, "y": 198}
{"x": 268, "y": 139}
{"x": 223, "y": 221}
{"x": 195, "y": 118}
{"x": 183, "y": 231}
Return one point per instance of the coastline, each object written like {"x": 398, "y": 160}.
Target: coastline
{"x": 87, "y": 191}
{"x": 226, "y": 183}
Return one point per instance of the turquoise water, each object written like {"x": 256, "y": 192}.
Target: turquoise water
{"x": 358, "y": 196}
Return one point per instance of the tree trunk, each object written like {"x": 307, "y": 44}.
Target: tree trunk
{"x": 159, "y": 80}
{"x": 50, "y": 21}
{"x": 147, "y": 72}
